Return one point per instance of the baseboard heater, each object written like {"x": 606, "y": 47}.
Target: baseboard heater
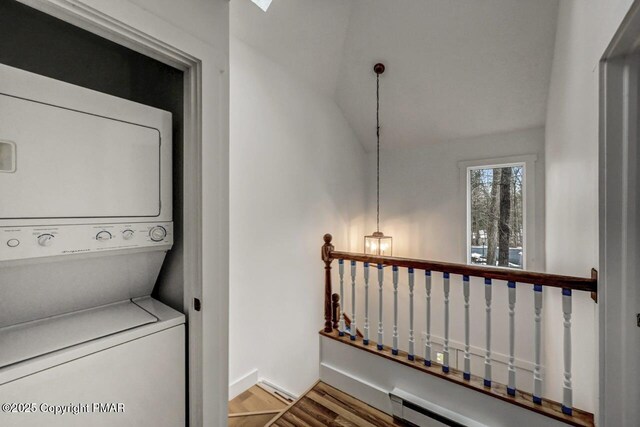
{"x": 415, "y": 411}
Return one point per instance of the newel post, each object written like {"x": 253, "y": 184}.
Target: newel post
{"x": 327, "y": 249}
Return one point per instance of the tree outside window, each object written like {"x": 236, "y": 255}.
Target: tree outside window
{"x": 497, "y": 216}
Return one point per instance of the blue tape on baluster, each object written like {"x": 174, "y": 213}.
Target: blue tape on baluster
{"x": 537, "y": 400}
{"x": 427, "y": 362}
{"x": 487, "y": 281}
{"x": 411, "y": 357}
{"x": 340, "y": 261}
{"x": 366, "y": 265}
{"x": 365, "y": 342}
{"x": 379, "y": 266}
{"x": 410, "y": 270}
{"x": 353, "y": 263}
{"x": 380, "y": 347}
{"x": 445, "y": 275}
{"x": 466, "y": 376}
{"x": 394, "y": 351}
{"x": 445, "y": 369}
{"x": 395, "y": 268}
{"x": 340, "y": 334}
{"x": 487, "y": 383}
{"x": 511, "y": 391}
{"x": 353, "y": 337}
{"x": 511, "y": 284}
{"x": 566, "y": 411}
{"x": 566, "y": 292}
{"x": 537, "y": 288}
{"x": 427, "y": 273}
{"x": 465, "y": 278}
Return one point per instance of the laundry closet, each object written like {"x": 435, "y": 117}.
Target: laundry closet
{"x": 91, "y": 232}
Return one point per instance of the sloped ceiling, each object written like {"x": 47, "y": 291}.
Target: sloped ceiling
{"x": 455, "y": 68}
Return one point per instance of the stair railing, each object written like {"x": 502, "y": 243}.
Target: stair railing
{"x": 335, "y": 314}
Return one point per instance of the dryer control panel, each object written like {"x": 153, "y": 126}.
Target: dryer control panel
{"x": 58, "y": 240}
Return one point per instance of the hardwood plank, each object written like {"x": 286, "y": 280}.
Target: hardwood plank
{"x": 282, "y": 423}
{"x": 354, "y": 405}
{"x": 273, "y": 412}
{"x": 255, "y": 399}
{"x": 251, "y": 420}
{"x": 310, "y": 418}
{"x": 293, "y": 419}
{"x": 275, "y": 421}
{"x": 341, "y": 411}
{"x": 323, "y": 405}
{"x": 524, "y": 400}
{"x": 320, "y": 413}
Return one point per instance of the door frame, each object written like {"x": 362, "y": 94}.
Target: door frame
{"x": 619, "y": 230}
{"x": 205, "y": 189}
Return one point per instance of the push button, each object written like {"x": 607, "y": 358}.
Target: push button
{"x": 12, "y": 243}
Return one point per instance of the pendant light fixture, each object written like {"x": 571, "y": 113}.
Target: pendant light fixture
{"x": 377, "y": 243}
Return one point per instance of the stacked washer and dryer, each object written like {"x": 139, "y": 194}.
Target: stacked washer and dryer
{"x": 85, "y": 224}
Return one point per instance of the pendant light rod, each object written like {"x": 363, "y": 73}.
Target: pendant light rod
{"x": 378, "y": 69}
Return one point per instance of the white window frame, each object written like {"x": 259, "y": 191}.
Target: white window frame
{"x": 528, "y": 200}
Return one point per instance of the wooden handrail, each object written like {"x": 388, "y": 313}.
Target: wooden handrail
{"x": 554, "y": 280}
{"x": 329, "y": 253}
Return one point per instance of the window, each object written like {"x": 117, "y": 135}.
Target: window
{"x": 496, "y": 215}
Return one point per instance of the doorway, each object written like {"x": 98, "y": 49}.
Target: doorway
{"x": 619, "y": 164}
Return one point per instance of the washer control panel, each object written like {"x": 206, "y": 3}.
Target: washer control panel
{"x": 36, "y": 242}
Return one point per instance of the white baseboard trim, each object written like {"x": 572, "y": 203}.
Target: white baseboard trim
{"x": 369, "y": 393}
{"x": 287, "y": 393}
{"x": 370, "y": 378}
{"x": 243, "y": 384}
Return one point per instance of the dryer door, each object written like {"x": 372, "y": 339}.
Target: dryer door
{"x": 63, "y": 163}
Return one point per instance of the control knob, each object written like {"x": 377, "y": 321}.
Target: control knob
{"x": 103, "y": 236}
{"x": 127, "y": 234}
{"x": 45, "y": 240}
{"x": 158, "y": 233}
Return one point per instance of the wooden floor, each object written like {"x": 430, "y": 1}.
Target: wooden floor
{"x": 255, "y": 407}
{"x": 324, "y": 405}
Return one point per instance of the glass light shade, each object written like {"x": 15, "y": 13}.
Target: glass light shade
{"x": 378, "y": 244}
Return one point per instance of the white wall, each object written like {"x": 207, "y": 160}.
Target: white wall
{"x": 423, "y": 201}
{"x": 297, "y": 172}
{"x": 585, "y": 28}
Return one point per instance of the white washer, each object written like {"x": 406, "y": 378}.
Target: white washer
{"x": 122, "y": 364}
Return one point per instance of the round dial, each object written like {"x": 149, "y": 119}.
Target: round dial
{"x": 127, "y": 234}
{"x": 157, "y": 234}
{"x": 103, "y": 236}
{"x": 45, "y": 239}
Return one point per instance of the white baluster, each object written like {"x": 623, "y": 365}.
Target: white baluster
{"x": 366, "y": 304}
{"x": 467, "y": 357}
{"x": 445, "y": 350}
{"x": 567, "y": 395}
{"x": 487, "y": 354}
{"x": 394, "y": 349}
{"x": 511, "y": 388}
{"x": 352, "y": 328}
{"x": 411, "y": 337}
{"x": 537, "y": 376}
{"x": 427, "y": 343}
{"x": 380, "y": 330}
{"x": 341, "y": 326}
